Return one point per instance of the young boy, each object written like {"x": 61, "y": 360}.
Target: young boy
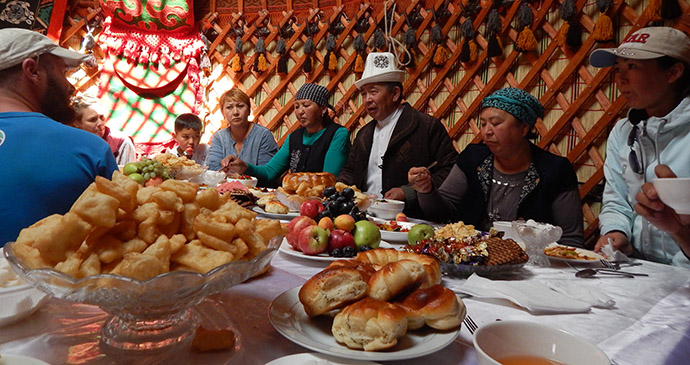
{"x": 187, "y": 135}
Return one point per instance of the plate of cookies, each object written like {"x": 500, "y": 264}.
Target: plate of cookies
{"x": 333, "y": 312}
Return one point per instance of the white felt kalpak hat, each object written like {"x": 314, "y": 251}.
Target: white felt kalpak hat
{"x": 18, "y": 44}
{"x": 380, "y": 67}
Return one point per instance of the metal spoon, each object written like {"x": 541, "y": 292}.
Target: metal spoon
{"x": 588, "y": 273}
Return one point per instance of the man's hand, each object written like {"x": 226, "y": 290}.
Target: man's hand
{"x": 395, "y": 194}
{"x": 619, "y": 240}
{"x": 420, "y": 179}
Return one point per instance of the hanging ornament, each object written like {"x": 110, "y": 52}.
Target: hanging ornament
{"x": 492, "y": 30}
{"x": 361, "y": 26}
{"x": 468, "y": 52}
{"x": 603, "y": 28}
{"x": 379, "y": 41}
{"x": 282, "y": 59}
{"x": 331, "y": 58}
{"x": 441, "y": 54}
{"x": 570, "y": 33}
{"x": 409, "y": 40}
{"x": 658, "y": 10}
{"x": 236, "y": 59}
{"x": 526, "y": 41}
{"x": 260, "y": 63}
{"x": 308, "y": 51}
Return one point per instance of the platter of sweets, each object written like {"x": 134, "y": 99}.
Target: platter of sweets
{"x": 482, "y": 253}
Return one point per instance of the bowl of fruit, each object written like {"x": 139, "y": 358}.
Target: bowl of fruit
{"x": 246, "y": 180}
{"x": 147, "y": 171}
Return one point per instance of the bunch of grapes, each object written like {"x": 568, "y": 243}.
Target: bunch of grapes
{"x": 340, "y": 202}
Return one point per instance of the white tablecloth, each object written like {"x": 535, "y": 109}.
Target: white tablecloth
{"x": 649, "y": 324}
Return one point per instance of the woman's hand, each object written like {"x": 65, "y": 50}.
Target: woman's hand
{"x": 655, "y": 211}
{"x": 233, "y": 164}
{"x": 619, "y": 241}
{"x": 420, "y": 179}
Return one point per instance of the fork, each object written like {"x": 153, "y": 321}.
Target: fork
{"x": 470, "y": 324}
{"x": 608, "y": 264}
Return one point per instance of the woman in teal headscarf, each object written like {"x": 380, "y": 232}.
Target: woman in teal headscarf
{"x": 506, "y": 177}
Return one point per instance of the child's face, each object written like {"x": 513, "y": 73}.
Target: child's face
{"x": 187, "y": 137}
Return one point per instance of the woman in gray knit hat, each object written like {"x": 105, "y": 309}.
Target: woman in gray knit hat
{"x": 318, "y": 145}
{"x": 506, "y": 177}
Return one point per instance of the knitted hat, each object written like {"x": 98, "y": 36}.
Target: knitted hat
{"x": 645, "y": 44}
{"x": 18, "y": 44}
{"x": 521, "y": 104}
{"x": 315, "y": 93}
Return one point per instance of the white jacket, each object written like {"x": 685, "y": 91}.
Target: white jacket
{"x": 664, "y": 140}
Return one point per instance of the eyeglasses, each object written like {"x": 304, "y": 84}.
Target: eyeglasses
{"x": 632, "y": 157}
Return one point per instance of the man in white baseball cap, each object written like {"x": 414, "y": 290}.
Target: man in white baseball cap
{"x": 46, "y": 165}
{"x": 652, "y": 72}
{"x": 397, "y": 139}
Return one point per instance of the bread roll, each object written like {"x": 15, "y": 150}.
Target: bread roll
{"x": 270, "y": 197}
{"x": 292, "y": 181}
{"x": 396, "y": 278}
{"x": 332, "y": 288}
{"x": 437, "y": 307}
{"x": 370, "y": 324}
{"x": 382, "y": 256}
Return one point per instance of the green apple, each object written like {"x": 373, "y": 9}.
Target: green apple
{"x": 137, "y": 177}
{"x": 366, "y": 233}
{"x": 130, "y": 168}
{"x": 419, "y": 232}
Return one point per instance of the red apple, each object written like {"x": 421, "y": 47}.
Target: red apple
{"x": 313, "y": 240}
{"x": 326, "y": 223}
{"x": 340, "y": 239}
{"x": 344, "y": 222}
{"x": 295, "y": 226}
{"x": 311, "y": 208}
{"x": 401, "y": 217}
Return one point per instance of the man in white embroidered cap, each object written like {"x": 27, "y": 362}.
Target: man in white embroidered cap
{"x": 45, "y": 165}
{"x": 398, "y": 138}
{"x": 652, "y": 71}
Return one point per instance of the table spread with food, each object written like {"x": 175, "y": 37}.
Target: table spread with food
{"x": 168, "y": 262}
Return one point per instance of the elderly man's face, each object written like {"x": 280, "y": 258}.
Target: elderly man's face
{"x": 57, "y": 91}
{"x": 379, "y": 101}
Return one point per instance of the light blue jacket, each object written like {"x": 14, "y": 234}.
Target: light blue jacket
{"x": 662, "y": 140}
{"x": 257, "y": 148}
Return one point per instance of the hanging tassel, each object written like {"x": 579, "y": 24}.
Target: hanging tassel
{"x": 260, "y": 65}
{"x": 379, "y": 40}
{"x": 493, "y": 27}
{"x": 308, "y": 50}
{"x": 359, "y": 46}
{"x": 467, "y": 31}
{"x": 409, "y": 39}
{"x": 331, "y": 58}
{"x": 236, "y": 65}
{"x": 474, "y": 50}
{"x": 526, "y": 41}
{"x": 440, "y": 56}
{"x": 573, "y": 32}
{"x": 282, "y": 56}
{"x": 603, "y": 28}
{"x": 494, "y": 49}
{"x": 282, "y": 65}
{"x": 359, "y": 64}
{"x": 670, "y": 9}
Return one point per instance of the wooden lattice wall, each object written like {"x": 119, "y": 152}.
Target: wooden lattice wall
{"x": 581, "y": 102}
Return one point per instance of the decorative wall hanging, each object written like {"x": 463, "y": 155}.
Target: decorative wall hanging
{"x": 468, "y": 52}
{"x": 260, "y": 62}
{"x": 570, "y": 33}
{"x": 526, "y": 41}
{"x": 238, "y": 30}
{"x": 361, "y": 27}
{"x": 286, "y": 32}
{"x": 413, "y": 20}
{"x": 492, "y": 34}
{"x": 658, "y": 10}
{"x": 603, "y": 28}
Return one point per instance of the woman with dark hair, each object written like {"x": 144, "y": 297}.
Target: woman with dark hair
{"x": 242, "y": 139}
{"x": 506, "y": 177}
{"x": 651, "y": 70}
{"x": 318, "y": 145}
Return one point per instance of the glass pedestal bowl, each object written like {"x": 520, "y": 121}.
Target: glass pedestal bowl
{"x": 145, "y": 315}
{"x": 536, "y": 237}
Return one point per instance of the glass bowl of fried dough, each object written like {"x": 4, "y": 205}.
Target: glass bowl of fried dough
{"x": 146, "y": 276}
